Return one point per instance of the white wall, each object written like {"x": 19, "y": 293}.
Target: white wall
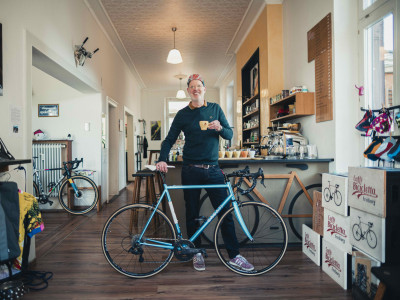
{"x": 332, "y": 137}
{"x": 54, "y": 27}
{"x": 75, "y": 109}
{"x": 153, "y": 109}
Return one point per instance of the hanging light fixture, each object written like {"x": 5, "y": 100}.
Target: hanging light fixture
{"x": 181, "y": 93}
{"x": 174, "y": 56}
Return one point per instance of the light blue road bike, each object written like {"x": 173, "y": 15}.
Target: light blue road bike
{"x": 139, "y": 240}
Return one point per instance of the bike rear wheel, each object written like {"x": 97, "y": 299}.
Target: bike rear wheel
{"x": 270, "y": 238}
{"x": 35, "y": 190}
{"x": 121, "y": 246}
{"x": 301, "y": 206}
{"x": 357, "y": 233}
{"x": 80, "y": 203}
{"x": 206, "y": 209}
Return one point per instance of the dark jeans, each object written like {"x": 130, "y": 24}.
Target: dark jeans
{"x": 195, "y": 176}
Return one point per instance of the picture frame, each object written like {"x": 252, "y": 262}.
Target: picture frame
{"x": 254, "y": 80}
{"x": 48, "y": 110}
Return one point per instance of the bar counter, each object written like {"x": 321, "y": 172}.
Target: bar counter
{"x": 308, "y": 170}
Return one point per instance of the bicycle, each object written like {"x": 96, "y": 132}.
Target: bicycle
{"x": 299, "y": 211}
{"x": 78, "y": 194}
{"x": 139, "y": 240}
{"x": 335, "y": 195}
{"x": 369, "y": 234}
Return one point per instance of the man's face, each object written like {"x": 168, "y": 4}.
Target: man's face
{"x": 196, "y": 90}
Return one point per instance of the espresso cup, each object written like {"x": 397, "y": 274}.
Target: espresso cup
{"x": 203, "y": 125}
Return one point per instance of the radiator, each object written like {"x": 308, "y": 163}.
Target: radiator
{"x": 49, "y": 156}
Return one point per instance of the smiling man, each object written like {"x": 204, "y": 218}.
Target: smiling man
{"x": 202, "y": 123}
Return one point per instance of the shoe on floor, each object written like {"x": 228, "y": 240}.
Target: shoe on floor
{"x": 198, "y": 262}
{"x": 241, "y": 263}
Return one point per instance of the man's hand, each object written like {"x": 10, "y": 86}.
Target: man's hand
{"x": 162, "y": 166}
{"x": 215, "y": 125}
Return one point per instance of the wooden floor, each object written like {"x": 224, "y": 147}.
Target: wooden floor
{"x": 70, "y": 248}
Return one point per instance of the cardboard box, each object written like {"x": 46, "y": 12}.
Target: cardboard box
{"x": 312, "y": 244}
{"x": 361, "y": 274}
{"x": 334, "y": 193}
{"x": 318, "y": 213}
{"x": 337, "y": 264}
{"x": 368, "y": 233}
{"x": 375, "y": 190}
{"x": 337, "y": 230}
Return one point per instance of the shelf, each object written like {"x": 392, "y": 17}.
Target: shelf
{"x": 255, "y": 127}
{"x": 5, "y": 163}
{"x": 248, "y": 143}
{"x": 252, "y": 113}
{"x": 291, "y": 116}
{"x": 304, "y": 105}
{"x": 251, "y": 99}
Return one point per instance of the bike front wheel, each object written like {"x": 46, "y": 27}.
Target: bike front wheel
{"x": 301, "y": 210}
{"x": 337, "y": 197}
{"x": 269, "y": 243}
{"x": 371, "y": 239}
{"x": 81, "y": 201}
{"x": 121, "y": 245}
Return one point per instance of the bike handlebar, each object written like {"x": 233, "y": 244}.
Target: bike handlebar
{"x": 245, "y": 173}
{"x": 74, "y": 163}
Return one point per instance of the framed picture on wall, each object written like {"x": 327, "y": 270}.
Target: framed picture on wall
{"x": 1, "y": 60}
{"x": 48, "y": 110}
{"x": 156, "y": 130}
{"x": 254, "y": 81}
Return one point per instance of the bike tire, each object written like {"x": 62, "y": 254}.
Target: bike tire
{"x": 87, "y": 199}
{"x": 299, "y": 206}
{"x": 206, "y": 209}
{"x": 327, "y": 194}
{"x": 119, "y": 232}
{"x": 356, "y": 232}
{"x": 372, "y": 241}
{"x": 337, "y": 198}
{"x": 35, "y": 191}
{"x": 269, "y": 244}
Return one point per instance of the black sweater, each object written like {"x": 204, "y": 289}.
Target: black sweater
{"x": 201, "y": 146}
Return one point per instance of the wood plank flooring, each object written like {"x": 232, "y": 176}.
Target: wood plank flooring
{"x": 70, "y": 248}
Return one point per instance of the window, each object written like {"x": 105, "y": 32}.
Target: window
{"x": 173, "y": 107}
{"x": 379, "y": 56}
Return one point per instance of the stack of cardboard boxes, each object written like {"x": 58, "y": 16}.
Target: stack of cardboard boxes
{"x": 361, "y": 221}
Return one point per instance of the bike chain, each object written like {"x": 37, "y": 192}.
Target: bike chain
{"x": 171, "y": 262}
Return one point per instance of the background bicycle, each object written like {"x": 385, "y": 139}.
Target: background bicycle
{"x": 296, "y": 212}
{"x": 368, "y": 234}
{"x": 77, "y": 194}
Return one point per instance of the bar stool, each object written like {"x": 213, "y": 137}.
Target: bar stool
{"x": 150, "y": 192}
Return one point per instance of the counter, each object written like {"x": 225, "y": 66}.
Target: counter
{"x": 308, "y": 170}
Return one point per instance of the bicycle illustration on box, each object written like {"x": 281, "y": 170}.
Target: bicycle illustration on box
{"x": 140, "y": 240}
{"x": 335, "y": 194}
{"x": 369, "y": 234}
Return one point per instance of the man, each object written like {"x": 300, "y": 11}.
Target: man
{"x": 200, "y": 164}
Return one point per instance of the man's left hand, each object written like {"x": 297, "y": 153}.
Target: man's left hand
{"x": 215, "y": 125}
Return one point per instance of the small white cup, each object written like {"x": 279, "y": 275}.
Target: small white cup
{"x": 252, "y": 153}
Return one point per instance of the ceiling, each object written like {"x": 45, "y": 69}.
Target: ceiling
{"x": 208, "y": 35}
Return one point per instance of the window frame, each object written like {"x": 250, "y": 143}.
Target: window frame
{"x": 368, "y": 18}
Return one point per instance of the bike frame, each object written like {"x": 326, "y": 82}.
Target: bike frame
{"x": 290, "y": 177}
{"x": 165, "y": 193}
{"x": 66, "y": 174}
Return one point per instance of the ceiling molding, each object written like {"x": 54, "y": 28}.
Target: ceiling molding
{"x": 253, "y": 12}
{"x": 102, "y": 18}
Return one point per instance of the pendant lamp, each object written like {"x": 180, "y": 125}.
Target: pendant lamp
{"x": 174, "y": 56}
{"x": 181, "y": 93}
